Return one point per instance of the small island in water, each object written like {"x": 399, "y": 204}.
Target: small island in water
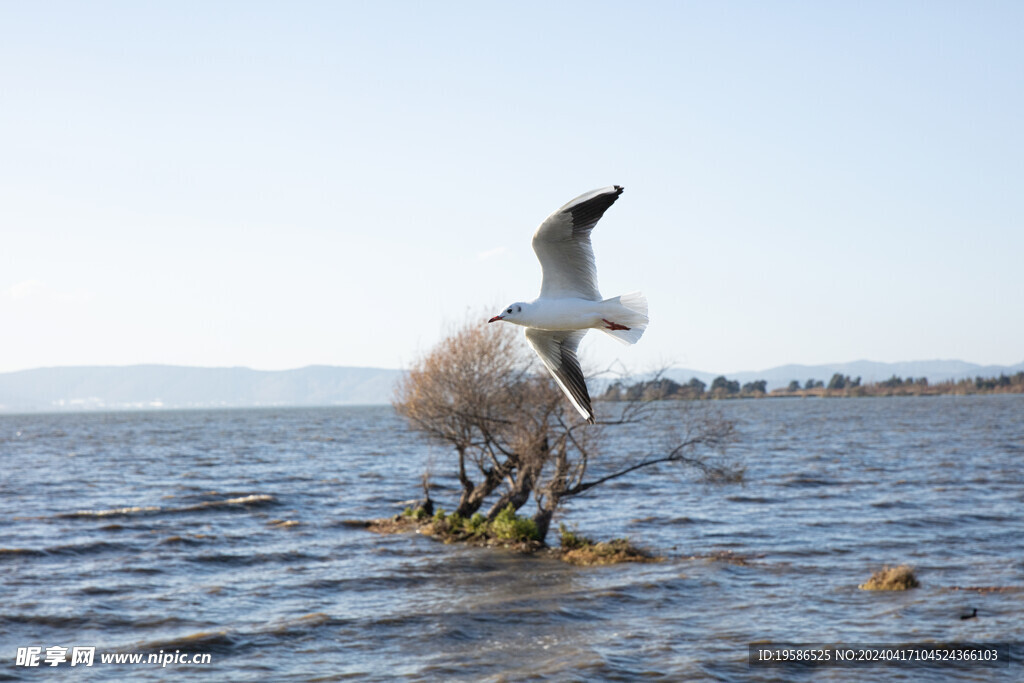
{"x": 840, "y": 386}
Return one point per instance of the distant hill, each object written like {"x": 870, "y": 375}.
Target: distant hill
{"x": 868, "y": 371}
{"x": 168, "y": 386}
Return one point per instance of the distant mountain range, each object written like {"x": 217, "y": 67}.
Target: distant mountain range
{"x": 168, "y": 386}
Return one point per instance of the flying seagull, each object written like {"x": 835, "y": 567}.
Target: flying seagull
{"x": 569, "y": 303}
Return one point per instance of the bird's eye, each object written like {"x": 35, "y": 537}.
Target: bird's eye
{"x": 509, "y": 310}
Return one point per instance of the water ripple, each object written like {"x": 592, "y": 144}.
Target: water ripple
{"x": 231, "y": 532}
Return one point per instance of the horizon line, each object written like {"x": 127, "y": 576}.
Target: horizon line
{"x": 387, "y": 369}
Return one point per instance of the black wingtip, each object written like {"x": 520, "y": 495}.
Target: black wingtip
{"x": 585, "y": 215}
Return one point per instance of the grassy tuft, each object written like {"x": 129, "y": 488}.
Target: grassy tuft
{"x": 606, "y": 552}
{"x": 891, "y": 579}
{"x": 570, "y": 539}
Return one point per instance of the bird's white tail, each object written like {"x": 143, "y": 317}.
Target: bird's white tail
{"x": 631, "y": 314}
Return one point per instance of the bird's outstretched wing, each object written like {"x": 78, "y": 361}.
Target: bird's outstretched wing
{"x": 562, "y": 244}
{"x": 557, "y": 350}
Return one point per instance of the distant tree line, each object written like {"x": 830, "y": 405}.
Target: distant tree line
{"x": 843, "y": 386}
{"x": 839, "y": 385}
{"x": 662, "y": 388}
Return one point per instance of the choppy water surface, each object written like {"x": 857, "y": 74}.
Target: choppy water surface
{"x": 224, "y": 532}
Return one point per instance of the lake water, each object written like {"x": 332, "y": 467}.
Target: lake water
{"x": 224, "y": 532}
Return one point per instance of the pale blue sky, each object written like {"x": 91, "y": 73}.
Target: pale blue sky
{"x": 282, "y": 184}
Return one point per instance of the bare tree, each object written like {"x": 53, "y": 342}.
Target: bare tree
{"x": 481, "y": 392}
{"x": 476, "y": 391}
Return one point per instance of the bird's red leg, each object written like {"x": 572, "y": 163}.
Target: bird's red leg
{"x": 614, "y": 326}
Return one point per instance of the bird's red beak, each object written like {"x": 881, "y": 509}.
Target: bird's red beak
{"x": 497, "y": 317}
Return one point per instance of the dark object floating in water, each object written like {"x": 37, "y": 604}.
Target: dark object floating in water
{"x": 972, "y": 615}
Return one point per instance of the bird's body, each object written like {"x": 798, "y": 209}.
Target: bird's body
{"x": 570, "y": 303}
{"x": 570, "y": 313}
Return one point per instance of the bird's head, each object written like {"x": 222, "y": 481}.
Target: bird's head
{"x": 510, "y": 314}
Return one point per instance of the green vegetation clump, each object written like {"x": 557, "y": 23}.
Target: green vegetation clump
{"x": 415, "y": 513}
{"x": 506, "y": 526}
{"x": 511, "y": 527}
{"x": 452, "y": 525}
{"x": 477, "y": 524}
{"x": 508, "y": 529}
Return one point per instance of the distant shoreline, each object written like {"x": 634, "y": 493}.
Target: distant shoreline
{"x": 933, "y": 390}
{"x": 840, "y": 386}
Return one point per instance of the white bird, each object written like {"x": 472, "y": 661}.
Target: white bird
{"x": 570, "y": 303}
